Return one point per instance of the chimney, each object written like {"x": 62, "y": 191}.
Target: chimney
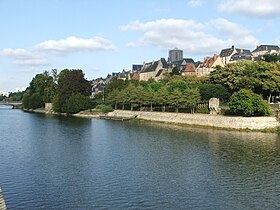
{"x": 232, "y": 47}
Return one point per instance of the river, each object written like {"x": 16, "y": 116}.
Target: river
{"x": 51, "y": 162}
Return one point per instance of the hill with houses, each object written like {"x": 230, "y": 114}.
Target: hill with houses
{"x": 177, "y": 64}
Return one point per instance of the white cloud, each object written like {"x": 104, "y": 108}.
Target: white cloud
{"x": 235, "y": 34}
{"x": 74, "y": 44}
{"x": 194, "y": 38}
{"x": 256, "y": 8}
{"x": 24, "y": 57}
{"x": 195, "y": 3}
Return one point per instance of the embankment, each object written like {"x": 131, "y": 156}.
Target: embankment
{"x": 218, "y": 121}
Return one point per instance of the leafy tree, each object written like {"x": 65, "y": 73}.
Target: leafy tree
{"x": 76, "y": 103}
{"x": 271, "y": 58}
{"x": 191, "y": 97}
{"x": 112, "y": 98}
{"x": 15, "y": 96}
{"x": 247, "y": 103}
{"x": 260, "y": 77}
{"x": 208, "y": 91}
{"x": 163, "y": 97}
{"x": 69, "y": 82}
{"x": 41, "y": 90}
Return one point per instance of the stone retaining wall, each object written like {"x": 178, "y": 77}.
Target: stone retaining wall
{"x": 202, "y": 119}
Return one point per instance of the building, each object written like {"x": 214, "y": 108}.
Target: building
{"x": 233, "y": 54}
{"x": 265, "y": 50}
{"x": 181, "y": 64}
{"x": 189, "y": 70}
{"x": 175, "y": 55}
{"x": 208, "y": 65}
{"x": 154, "y": 70}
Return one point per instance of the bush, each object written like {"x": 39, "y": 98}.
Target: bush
{"x": 247, "y": 103}
{"x": 76, "y": 103}
{"x": 104, "y": 108}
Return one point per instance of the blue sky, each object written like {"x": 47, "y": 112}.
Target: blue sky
{"x": 104, "y": 36}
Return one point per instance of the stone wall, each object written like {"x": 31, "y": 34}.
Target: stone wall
{"x": 202, "y": 119}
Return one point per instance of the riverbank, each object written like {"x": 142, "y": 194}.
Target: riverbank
{"x": 269, "y": 124}
{"x": 203, "y": 120}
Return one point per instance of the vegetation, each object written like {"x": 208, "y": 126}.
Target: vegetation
{"x": 15, "y": 96}
{"x": 104, "y": 108}
{"x": 68, "y": 91}
{"x": 142, "y": 95}
{"x": 261, "y": 77}
{"x": 41, "y": 90}
{"x": 71, "y": 82}
{"x": 245, "y": 84}
{"x": 246, "y": 103}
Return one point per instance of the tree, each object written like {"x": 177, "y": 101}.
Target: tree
{"x": 41, "y": 90}
{"x": 112, "y": 98}
{"x": 163, "y": 97}
{"x": 76, "y": 103}
{"x": 247, "y": 103}
{"x": 191, "y": 97}
{"x": 208, "y": 91}
{"x": 260, "y": 77}
{"x": 271, "y": 58}
{"x": 69, "y": 82}
{"x": 177, "y": 99}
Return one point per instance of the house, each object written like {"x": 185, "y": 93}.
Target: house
{"x": 154, "y": 70}
{"x": 121, "y": 75}
{"x": 189, "y": 70}
{"x": 97, "y": 86}
{"x": 208, "y": 65}
{"x": 265, "y": 50}
{"x": 241, "y": 55}
{"x": 181, "y": 64}
{"x": 136, "y": 67}
{"x": 233, "y": 54}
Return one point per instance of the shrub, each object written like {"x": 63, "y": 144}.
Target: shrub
{"x": 77, "y": 102}
{"x": 247, "y": 103}
{"x": 104, "y": 108}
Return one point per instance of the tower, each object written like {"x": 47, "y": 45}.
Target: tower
{"x": 175, "y": 55}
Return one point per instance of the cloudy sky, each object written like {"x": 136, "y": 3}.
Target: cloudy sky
{"x": 104, "y": 36}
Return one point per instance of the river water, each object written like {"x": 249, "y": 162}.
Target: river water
{"x": 50, "y": 162}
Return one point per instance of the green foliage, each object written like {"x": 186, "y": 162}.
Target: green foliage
{"x": 104, "y": 108}
{"x": 32, "y": 101}
{"x": 76, "y": 103}
{"x": 16, "y": 96}
{"x": 2, "y": 98}
{"x": 208, "y": 91}
{"x": 260, "y": 77}
{"x": 70, "y": 82}
{"x": 175, "y": 71}
{"x": 247, "y": 103}
{"x": 271, "y": 58}
{"x": 41, "y": 90}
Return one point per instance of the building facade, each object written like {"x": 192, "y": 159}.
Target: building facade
{"x": 175, "y": 55}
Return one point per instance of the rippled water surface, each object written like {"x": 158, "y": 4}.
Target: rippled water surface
{"x": 49, "y": 162}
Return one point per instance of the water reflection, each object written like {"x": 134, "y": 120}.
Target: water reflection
{"x": 52, "y": 162}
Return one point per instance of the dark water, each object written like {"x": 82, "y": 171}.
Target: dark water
{"x": 49, "y": 162}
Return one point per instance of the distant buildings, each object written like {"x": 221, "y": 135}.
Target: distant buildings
{"x": 175, "y": 55}
{"x": 185, "y": 66}
{"x": 262, "y": 50}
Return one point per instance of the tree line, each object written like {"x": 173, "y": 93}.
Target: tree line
{"x": 69, "y": 91}
{"x": 244, "y": 85}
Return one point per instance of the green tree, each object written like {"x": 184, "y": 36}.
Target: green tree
{"x": 247, "y": 103}
{"x": 41, "y": 89}
{"x": 69, "y": 82}
{"x": 76, "y": 103}
{"x": 208, "y": 91}
{"x": 163, "y": 97}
